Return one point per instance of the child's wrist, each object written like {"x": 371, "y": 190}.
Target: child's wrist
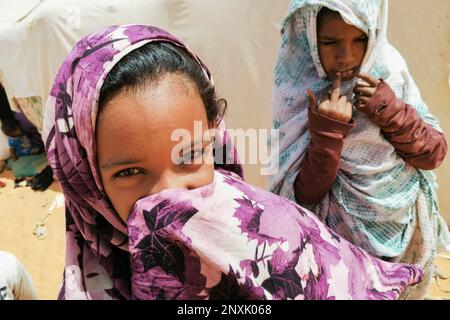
{"x": 321, "y": 123}
{"x": 381, "y": 98}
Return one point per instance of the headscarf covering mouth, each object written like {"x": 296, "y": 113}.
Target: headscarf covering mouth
{"x": 94, "y": 229}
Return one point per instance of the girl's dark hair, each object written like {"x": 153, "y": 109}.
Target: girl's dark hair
{"x": 323, "y": 12}
{"x": 9, "y": 125}
{"x": 150, "y": 63}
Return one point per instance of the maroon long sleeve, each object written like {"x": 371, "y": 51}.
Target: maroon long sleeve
{"x": 320, "y": 165}
{"x": 415, "y": 141}
{"x": 418, "y": 143}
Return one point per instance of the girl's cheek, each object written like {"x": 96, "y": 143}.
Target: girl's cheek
{"x": 124, "y": 204}
{"x": 122, "y": 198}
{"x": 208, "y": 175}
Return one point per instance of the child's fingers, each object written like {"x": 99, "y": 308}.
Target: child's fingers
{"x": 362, "y": 99}
{"x": 336, "y": 89}
{"x": 342, "y": 102}
{"x": 365, "y": 91}
{"x": 344, "y": 109}
{"x": 362, "y": 83}
{"x": 349, "y": 109}
{"x": 312, "y": 100}
{"x": 368, "y": 78}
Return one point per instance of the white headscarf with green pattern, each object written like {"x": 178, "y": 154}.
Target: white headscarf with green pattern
{"x": 363, "y": 204}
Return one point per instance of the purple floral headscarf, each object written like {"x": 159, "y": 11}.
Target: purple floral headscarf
{"x": 97, "y": 257}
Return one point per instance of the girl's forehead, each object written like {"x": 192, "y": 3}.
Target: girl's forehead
{"x": 335, "y": 25}
{"x": 136, "y": 123}
{"x": 172, "y": 101}
{"x": 331, "y": 17}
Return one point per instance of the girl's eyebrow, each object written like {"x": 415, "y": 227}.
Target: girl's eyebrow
{"x": 334, "y": 36}
{"x": 119, "y": 162}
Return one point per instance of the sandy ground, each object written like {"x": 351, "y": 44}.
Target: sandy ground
{"x": 22, "y": 208}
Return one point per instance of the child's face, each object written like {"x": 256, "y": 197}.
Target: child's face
{"x": 134, "y": 144}
{"x": 17, "y": 132}
{"x": 341, "y": 46}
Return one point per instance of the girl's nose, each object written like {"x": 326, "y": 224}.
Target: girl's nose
{"x": 172, "y": 180}
{"x": 345, "y": 56}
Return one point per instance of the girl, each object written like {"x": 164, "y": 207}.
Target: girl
{"x": 146, "y": 222}
{"x": 357, "y": 161}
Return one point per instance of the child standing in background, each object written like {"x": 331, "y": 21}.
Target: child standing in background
{"x": 357, "y": 151}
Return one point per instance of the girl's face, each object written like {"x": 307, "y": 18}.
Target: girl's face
{"x": 134, "y": 145}
{"x": 17, "y": 132}
{"x": 341, "y": 46}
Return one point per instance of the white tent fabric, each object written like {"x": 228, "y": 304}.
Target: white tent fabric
{"x": 11, "y": 12}
{"x": 236, "y": 38}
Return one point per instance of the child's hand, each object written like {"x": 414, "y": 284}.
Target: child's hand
{"x": 364, "y": 89}
{"x": 336, "y": 107}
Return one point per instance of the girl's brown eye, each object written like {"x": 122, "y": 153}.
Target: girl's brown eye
{"x": 127, "y": 173}
{"x": 188, "y": 158}
{"x": 327, "y": 42}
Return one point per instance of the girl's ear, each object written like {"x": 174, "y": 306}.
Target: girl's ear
{"x": 221, "y": 109}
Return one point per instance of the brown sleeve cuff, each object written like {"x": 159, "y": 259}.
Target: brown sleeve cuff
{"x": 415, "y": 141}
{"x": 320, "y": 124}
{"x": 320, "y": 165}
{"x": 382, "y": 97}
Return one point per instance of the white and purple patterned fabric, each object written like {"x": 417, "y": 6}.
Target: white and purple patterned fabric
{"x": 230, "y": 240}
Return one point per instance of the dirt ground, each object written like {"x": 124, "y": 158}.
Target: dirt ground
{"x": 22, "y": 208}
